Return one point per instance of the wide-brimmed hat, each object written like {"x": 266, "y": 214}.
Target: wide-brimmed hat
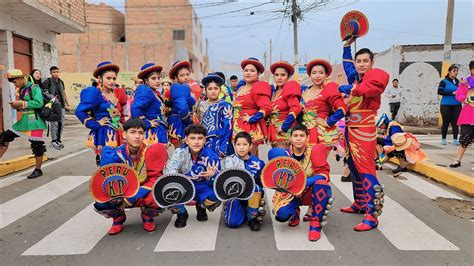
{"x": 253, "y": 61}
{"x": 354, "y": 23}
{"x": 283, "y": 64}
{"x": 113, "y": 181}
{"x": 212, "y": 77}
{"x": 14, "y": 74}
{"x": 234, "y": 183}
{"x": 103, "y": 66}
{"x": 284, "y": 174}
{"x": 148, "y": 68}
{"x": 177, "y": 65}
{"x": 401, "y": 141}
{"x": 173, "y": 189}
{"x": 319, "y": 61}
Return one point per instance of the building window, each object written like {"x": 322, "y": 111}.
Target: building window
{"x": 178, "y": 35}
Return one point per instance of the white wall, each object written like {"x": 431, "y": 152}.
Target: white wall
{"x": 42, "y": 60}
{"x": 419, "y": 81}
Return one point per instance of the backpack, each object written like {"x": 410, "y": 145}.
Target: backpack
{"x": 52, "y": 108}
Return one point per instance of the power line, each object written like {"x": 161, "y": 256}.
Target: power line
{"x": 184, "y": 19}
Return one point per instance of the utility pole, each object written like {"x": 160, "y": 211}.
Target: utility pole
{"x": 448, "y": 36}
{"x": 294, "y": 18}
{"x": 270, "y": 59}
{"x": 265, "y": 59}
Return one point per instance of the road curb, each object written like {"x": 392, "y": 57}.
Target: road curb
{"x": 459, "y": 181}
{"x": 17, "y": 164}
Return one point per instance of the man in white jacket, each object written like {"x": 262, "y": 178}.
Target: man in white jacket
{"x": 394, "y": 98}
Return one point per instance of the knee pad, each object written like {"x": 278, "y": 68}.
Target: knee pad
{"x": 38, "y": 148}
{"x": 465, "y": 141}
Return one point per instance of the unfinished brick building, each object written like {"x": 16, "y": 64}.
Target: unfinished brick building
{"x": 159, "y": 31}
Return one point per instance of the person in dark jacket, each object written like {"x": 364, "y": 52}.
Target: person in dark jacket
{"x": 55, "y": 86}
{"x": 450, "y": 107}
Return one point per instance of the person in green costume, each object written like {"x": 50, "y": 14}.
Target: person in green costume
{"x": 30, "y": 126}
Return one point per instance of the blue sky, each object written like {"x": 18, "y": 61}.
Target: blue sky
{"x": 237, "y": 34}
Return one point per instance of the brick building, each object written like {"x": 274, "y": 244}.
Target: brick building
{"x": 28, "y": 32}
{"x": 159, "y": 31}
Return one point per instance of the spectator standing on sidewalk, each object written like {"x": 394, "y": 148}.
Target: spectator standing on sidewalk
{"x": 30, "y": 126}
{"x": 465, "y": 94}
{"x": 450, "y": 107}
{"x": 394, "y": 98}
{"x": 55, "y": 86}
{"x": 35, "y": 78}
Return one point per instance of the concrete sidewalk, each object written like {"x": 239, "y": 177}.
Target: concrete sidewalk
{"x": 19, "y": 155}
{"x": 440, "y": 157}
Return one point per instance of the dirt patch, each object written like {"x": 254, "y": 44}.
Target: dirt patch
{"x": 460, "y": 208}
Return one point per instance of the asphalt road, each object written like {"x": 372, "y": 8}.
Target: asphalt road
{"x": 50, "y": 221}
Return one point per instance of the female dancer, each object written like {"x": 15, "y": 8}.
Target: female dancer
{"x": 252, "y": 104}
{"x": 285, "y": 104}
{"x": 148, "y": 105}
{"x": 99, "y": 109}
{"x": 216, "y": 116}
{"x": 323, "y": 106}
{"x": 181, "y": 102}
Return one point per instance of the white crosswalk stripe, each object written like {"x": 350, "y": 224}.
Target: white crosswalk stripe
{"x": 295, "y": 238}
{"x": 30, "y": 201}
{"x": 22, "y": 175}
{"x": 403, "y": 229}
{"x": 424, "y": 187}
{"x": 196, "y": 236}
{"x": 78, "y": 235}
{"x": 82, "y": 232}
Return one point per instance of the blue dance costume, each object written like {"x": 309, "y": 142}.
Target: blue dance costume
{"x": 237, "y": 211}
{"x": 148, "y": 106}
{"x": 182, "y": 104}
{"x": 217, "y": 120}
{"x": 182, "y": 162}
{"x": 91, "y": 111}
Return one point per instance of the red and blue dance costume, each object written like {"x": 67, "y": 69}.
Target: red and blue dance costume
{"x": 182, "y": 162}
{"x": 148, "y": 106}
{"x": 361, "y": 135}
{"x": 217, "y": 120}
{"x": 329, "y": 105}
{"x": 285, "y": 109}
{"x": 237, "y": 211}
{"x": 148, "y": 166}
{"x": 256, "y": 103}
{"x": 317, "y": 194}
{"x": 102, "y": 117}
{"x": 181, "y": 115}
